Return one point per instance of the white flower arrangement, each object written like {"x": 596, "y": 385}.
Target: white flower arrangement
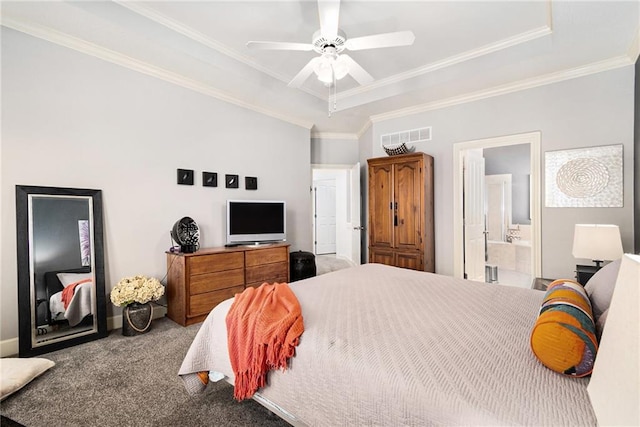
{"x": 140, "y": 289}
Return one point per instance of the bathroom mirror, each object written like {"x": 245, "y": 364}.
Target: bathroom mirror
{"x": 61, "y": 295}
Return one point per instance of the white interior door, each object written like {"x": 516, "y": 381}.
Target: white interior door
{"x": 474, "y": 227}
{"x": 325, "y": 216}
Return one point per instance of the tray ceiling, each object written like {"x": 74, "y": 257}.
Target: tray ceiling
{"x": 462, "y": 51}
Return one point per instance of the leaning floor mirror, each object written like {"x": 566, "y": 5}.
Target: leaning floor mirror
{"x": 61, "y": 291}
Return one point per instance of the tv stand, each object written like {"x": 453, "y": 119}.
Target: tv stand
{"x": 198, "y": 281}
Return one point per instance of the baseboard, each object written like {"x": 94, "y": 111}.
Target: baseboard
{"x": 9, "y": 348}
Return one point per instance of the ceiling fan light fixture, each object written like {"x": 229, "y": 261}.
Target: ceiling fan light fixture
{"x": 330, "y": 68}
{"x": 330, "y": 41}
{"x": 340, "y": 67}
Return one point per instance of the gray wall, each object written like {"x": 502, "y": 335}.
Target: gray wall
{"x": 588, "y": 111}
{"x": 514, "y": 160}
{"x": 326, "y": 151}
{"x": 71, "y": 120}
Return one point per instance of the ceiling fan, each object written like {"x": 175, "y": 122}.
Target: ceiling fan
{"x": 329, "y": 41}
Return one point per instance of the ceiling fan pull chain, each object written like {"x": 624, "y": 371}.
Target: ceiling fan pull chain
{"x": 333, "y": 78}
{"x": 335, "y": 91}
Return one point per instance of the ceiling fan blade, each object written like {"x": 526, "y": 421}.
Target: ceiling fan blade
{"x": 356, "y": 71}
{"x": 304, "y": 74}
{"x": 329, "y": 13}
{"x": 279, "y": 46}
{"x": 400, "y": 38}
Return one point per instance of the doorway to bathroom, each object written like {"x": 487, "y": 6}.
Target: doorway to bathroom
{"x": 497, "y": 210}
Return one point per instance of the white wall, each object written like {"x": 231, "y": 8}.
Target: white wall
{"x": 331, "y": 151}
{"x": 70, "y": 120}
{"x": 588, "y": 111}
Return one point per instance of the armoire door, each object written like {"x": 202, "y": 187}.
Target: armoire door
{"x": 407, "y": 204}
{"x": 410, "y": 260}
{"x": 381, "y": 205}
{"x": 382, "y": 256}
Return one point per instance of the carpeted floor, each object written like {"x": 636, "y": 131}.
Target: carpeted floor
{"x": 129, "y": 381}
{"x": 133, "y": 381}
{"x": 330, "y": 262}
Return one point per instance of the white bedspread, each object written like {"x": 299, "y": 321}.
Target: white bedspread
{"x": 79, "y": 306}
{"x": 389, "y": 346}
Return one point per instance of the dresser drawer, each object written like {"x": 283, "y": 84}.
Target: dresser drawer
{"x": 277, "y": 279}
{"x": 197, "y": 282}
{"x": 267, "y": 273}
{"x": 216, "y": 281}
{"x": 215, "y": 262}
{"x": 204, "y": 303}
{"x": 266, "y": 256}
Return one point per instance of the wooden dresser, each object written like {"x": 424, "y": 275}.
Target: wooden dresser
{"x": 199, "y": 281}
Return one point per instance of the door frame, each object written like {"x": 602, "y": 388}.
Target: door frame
{"x": 348, "y": 168}
{"x": 531, "y": 138}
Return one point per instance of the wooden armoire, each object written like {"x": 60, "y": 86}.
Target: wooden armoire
{"x": 401, "y": 231}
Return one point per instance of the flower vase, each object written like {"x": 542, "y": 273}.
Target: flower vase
{"x": 136, "y": 319}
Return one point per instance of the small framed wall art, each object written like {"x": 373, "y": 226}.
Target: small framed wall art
{"x": 209, "y": 179}
{"x": 231, "y": 181}
{"x": 250, "y": 182}
{"x": 185, "y": 176}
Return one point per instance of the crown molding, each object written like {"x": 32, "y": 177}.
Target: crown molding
{"x": 114, "y": 57}
{"x": 334, "y": 135}
{"x": 364, "y": 128}
{"x": 198, "y": 37}
{"x": 450, "y": 61}
{"x": 344, "y": 136}
{"x": 572, "y": 73}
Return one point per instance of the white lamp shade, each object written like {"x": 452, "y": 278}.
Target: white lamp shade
{"x": 614, "y": 388}
{"x": 597, "y": 242}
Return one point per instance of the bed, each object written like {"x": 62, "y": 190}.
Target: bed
{"x": 390, "y": 346}
{"x": 80, "y": 306}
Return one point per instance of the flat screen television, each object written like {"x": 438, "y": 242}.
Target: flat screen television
{"x": 256, "y": 221}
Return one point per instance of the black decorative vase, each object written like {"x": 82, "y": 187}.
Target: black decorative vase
{"x": 136, "y": 319}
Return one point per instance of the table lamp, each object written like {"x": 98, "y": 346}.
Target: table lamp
{"x": 598, "y": 242}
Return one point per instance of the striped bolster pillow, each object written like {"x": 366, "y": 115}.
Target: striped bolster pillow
{"x": 564, "y": 335}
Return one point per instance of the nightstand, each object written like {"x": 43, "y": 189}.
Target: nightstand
{"x": 584, "y": 273}
{"x": 541, "y": 283}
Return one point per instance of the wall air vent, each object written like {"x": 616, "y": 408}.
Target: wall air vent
{"x": 406, "y": 136}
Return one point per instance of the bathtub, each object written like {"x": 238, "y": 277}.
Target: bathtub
{"x": 514, "y": 256}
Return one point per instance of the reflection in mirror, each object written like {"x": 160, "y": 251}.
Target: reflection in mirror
{"x": 60, "y": 268}
{"x": 497, "y": 206}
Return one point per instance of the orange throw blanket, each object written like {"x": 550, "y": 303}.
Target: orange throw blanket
{"x": 67, "y": 293}
{"x": 263, "y": 328}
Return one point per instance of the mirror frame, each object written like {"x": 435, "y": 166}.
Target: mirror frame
{"x": 23, "y": 238}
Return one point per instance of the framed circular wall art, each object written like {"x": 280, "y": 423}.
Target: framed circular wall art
{"x": 584, "y": 177}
